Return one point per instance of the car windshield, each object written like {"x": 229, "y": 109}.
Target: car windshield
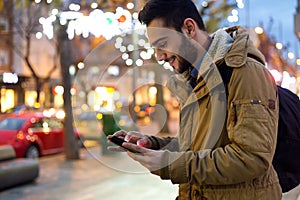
{"x": 11, "y": 124}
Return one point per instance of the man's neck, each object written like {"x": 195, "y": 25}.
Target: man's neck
{"x": 203, "y": 39}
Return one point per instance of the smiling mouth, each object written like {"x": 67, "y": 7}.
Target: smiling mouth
{"x": 171, "y": 60}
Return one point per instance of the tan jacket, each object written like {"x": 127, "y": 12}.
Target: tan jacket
{"x": 226, "y": 145}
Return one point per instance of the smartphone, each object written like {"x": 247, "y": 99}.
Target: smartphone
{"x": 119, "y": 141}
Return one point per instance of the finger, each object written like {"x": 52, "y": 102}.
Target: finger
{"x": 109, "y": 141}
{"x": 135, "y": 148}
{"x": 132, "y": 136}
{"x": 116, "y": 149}
{"x": 144, "y": 142}
{"x": 134, "y": 133}
{"x": 120, "y": 133}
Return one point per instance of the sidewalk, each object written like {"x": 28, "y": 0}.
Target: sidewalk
{"x": 97, "y": 177}
{"x": 93, "y": 177}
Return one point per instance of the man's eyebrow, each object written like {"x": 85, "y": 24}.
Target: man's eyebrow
{"x": 158, "y": 41}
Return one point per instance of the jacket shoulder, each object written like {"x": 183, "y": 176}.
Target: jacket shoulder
{"x": 241, "y": 48}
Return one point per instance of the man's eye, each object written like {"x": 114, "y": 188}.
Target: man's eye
{"x": 162, "y": 45}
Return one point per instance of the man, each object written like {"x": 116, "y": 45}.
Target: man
{"x": 228, "y": 109}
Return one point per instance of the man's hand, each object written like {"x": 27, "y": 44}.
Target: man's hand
{"x": 151, "y": 159}
{"x": 130, "y": 137}
{"x": 137, "y": 142}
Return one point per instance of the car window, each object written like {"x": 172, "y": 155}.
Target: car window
{"x": 21, "y": 108}
{"x": 54, "y": 123}
{"x": 11, "y": 124}
{"x": 38, "y": 124}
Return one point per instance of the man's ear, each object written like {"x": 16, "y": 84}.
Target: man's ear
{"x": 189, "y": 27}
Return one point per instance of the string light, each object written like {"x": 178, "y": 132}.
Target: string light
{"x": 38, "y": 35}
{"x": 130, "y": 6}
{"x": 259, "y": 30}
{"x": 291, "y": 55}
{"x": 97, "y": 23}
{"x": 94, "y": 5}
{"x": 279, "y": 45}
{"x": 108, "y": 24}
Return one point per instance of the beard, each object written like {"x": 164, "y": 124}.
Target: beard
{"x": 187, "y": 70}
{"x": 184, "y": 65}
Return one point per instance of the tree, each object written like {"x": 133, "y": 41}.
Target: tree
{"x": 215, "y": 12}
{"x": 25, "y": 25}
{"x": 71, "y": 147}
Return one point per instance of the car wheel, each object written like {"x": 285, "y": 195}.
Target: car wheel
{"x": 32, "y": 152}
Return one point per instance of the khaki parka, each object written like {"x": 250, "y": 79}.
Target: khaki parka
{"x": 225, "y": 145}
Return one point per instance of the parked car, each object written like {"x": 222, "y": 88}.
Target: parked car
{"x": 21, "y": 109}
{"x": 33, "y": 134}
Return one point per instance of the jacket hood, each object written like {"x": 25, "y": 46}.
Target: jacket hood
{"x": 241, "y": 47}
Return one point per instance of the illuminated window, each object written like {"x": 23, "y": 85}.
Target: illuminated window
{"x": 7, "y": 99}
{"x": 30, "y": 97}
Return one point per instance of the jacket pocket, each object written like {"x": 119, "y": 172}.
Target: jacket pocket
{"x": 250, "y": 127}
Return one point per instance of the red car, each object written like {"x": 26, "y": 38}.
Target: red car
{"x": 33, "y": 135}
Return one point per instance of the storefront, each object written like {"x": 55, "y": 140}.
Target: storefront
{"x": 11, "y": 91}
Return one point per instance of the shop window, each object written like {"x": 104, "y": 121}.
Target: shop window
{"x": 7, "y": 99}
{"x": 30, "y": 97}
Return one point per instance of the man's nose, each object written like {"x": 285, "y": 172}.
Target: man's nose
{"x": 160, "y": 54}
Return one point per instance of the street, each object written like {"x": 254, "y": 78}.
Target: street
{"x": 95, "y": 176}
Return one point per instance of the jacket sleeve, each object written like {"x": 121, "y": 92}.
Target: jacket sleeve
{"x": 252, "y": 131}
{"x": 167, "y": 143}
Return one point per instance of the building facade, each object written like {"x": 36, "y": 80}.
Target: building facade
{"x": 17, "y": 84}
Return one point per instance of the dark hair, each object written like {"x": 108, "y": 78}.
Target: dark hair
{"x": 172, "y": 12}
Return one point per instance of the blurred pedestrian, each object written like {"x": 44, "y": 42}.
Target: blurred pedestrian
{"x": 228, "y": 109}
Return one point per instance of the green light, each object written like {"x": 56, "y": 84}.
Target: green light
{"x": 109, "y": 20}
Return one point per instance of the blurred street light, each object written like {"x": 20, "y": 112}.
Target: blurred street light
{"x": 291, "y": 55}
{"x": 259, "y": 30}
{"x": 279, "y": 45}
